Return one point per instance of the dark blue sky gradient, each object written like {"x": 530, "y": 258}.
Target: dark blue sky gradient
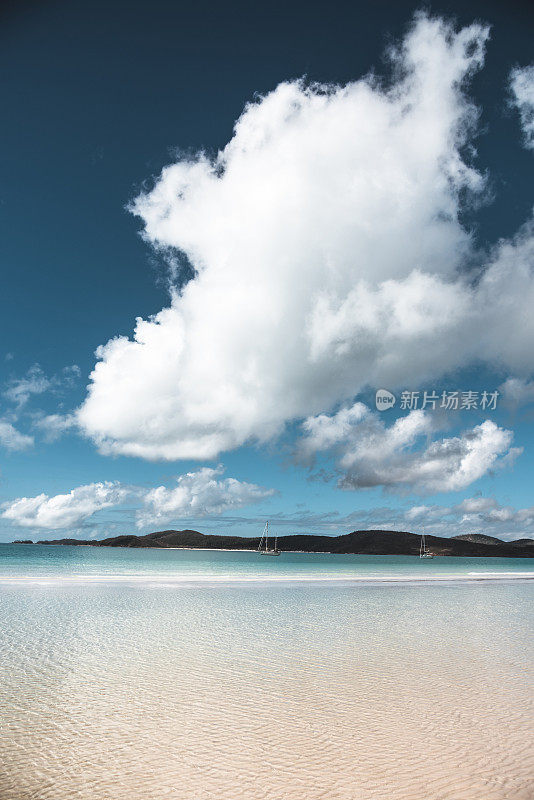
{"x": 95, "y": 96}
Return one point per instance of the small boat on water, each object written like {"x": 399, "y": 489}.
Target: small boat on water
{"x": 424, "y": 552}
{"x": 263, "y": 547}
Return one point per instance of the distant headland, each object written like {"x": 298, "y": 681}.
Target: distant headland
{"x": 372, "y": 542}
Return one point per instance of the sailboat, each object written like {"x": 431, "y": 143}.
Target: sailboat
{"x": 263, "y": 547}
{"x": 424, "y": 552}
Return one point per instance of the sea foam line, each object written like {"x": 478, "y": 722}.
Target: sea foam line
{"x": 242, "y": 580}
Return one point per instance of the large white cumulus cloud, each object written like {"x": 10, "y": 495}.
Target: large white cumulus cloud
{"x": 328, "y": 253}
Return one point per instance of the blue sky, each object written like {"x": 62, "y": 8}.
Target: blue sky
{"x": 338, "y": 241}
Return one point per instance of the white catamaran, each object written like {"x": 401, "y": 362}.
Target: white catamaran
{"x": 263, "y": 547}
{"x": 424, "y": 552}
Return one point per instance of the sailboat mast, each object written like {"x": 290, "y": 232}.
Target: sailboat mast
{"x": 261, "y": 540}
{"x": 267, "y": 535}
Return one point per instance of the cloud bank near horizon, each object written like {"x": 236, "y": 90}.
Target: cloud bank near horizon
{"x": 329, "y": 256}
{"x": 64, "y": 510}
{"x": 197, "y": 494}
{"x": 75, "y": 510}
{"x": 475, "y": 515}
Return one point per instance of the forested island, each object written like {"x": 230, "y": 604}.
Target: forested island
{"x": 371, "y": 542}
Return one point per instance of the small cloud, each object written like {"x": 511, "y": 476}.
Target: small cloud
{"x": 53, "y": 426}
{"x": 476, "y": 505}
{"x": 13, "y": 439}
{"x": 36, "y": 382}
{"x": 199, "y": 494}
{"x": 19, "y": 390}
{"x": 517, "y": 392}
{"x": 416, "y": 512}
{"x": 64, "y": 510}
{"x": 70, "y": 375}
{"x": 522, "y": 86}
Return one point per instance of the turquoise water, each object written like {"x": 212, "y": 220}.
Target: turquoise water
{"x": 122, "y": 564}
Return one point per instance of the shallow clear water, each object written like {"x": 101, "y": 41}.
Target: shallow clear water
{"x": 277, "y": 690}
{"x": 84, "y": 563}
